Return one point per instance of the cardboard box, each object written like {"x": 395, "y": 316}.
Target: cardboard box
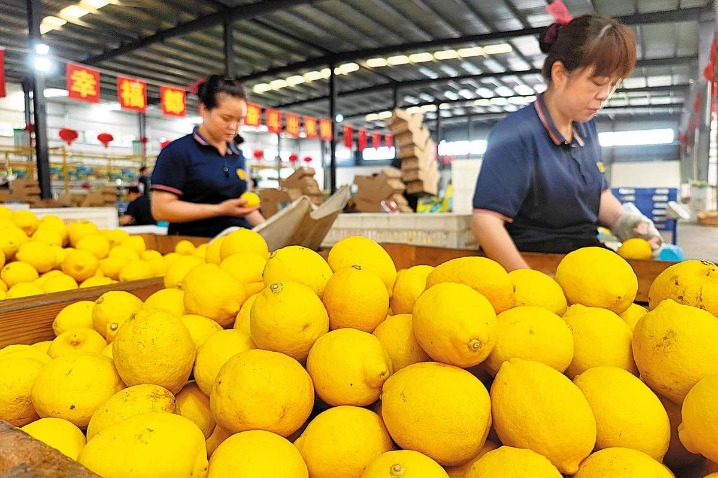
{"x": 274, "y": 200}
{"x": 299, "y": 183}
{"x": 365, "y": 205}
{"x": 412, "y": 138}
{"x": 409, "y": 151}
{"x": 401, "y": 121}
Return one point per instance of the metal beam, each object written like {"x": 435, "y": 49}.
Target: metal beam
{"x": 683, "y": 14}
{"x": 228, "y": 49}
{"x": 241, "y": 12}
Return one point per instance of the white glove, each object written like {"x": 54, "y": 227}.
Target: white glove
{"x": 636, "y": 225}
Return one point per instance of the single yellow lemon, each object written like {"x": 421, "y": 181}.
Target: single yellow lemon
{"x": 396, "y": 334}
{"x": 193, "y": 404}
{"x": 112, "y": 309}
{"x": 510, "y": 462}
{"x": 689, "y": 283}
{"x": 298, "y": 264}
{"x": 351, "y": 286}
{"x": 216, "y": 350}
{"x": 17, "y": 376}
{"x": 538, "y": 289}
{"x": 38, "y": 254}
{"x": 409, "y": 285}
{"x": 80, "y": 339}
{"x": 404, "y": 464}
{"x": 96, "y": 244}
{"x": 699, "y": 427}
{"x": 244, "y": 241}
{"x": 60, "y": 434}
{"x": 621, "y": 463}
{"x": 635, "y": 248}
{"x": 358, "y": 250}
{"x": 213, "y": 293}
{"x": 200, "y": 328}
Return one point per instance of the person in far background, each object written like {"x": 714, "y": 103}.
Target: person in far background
{"x": 197, "y": 179}
{"x": 144, "y": 180}
{"x": 138, "y": 212}
{"x": 541, "y": 187}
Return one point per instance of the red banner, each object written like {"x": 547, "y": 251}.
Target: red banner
{"x": 173, "y": 101}
{"x": 132, "y": 94}
{"x": 389, "y": 140}
{"x": 310, "y": 127}
{"x": 325, "y": 129}
{"x": 3, "y": 92}
{"x": 376, "y": 140}
{"x": 254, "y": 115}
{"x": 82, "y": 83}
{"x": 273, "y": 120}
{"x": 348, "y": 133}
{"x": 361, "y": 140}
{"x": 292, "y": 124}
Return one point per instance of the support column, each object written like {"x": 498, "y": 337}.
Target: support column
{"x": 34, "y": 17}
{"x": 142, "y": 126}
{"x": 395, "y": 96}
{"x": 26, "y": 89}
{"x": 228, "y": 50}
{"x": 333, "y": 115}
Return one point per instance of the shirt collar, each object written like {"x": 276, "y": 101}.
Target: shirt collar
{"x": 551, "y": 129}
{"x": 233, "y": 148}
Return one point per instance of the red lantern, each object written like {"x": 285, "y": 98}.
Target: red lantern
{"x": 68, "y": 135}
{"x": 293, "y": 158}
{"x": 164, "y": 143}
{"x": 307, "y": 159}
{"x": 30, "y": 128}
{"x": 105, "y": 139}
{"x": 258, "y": 154}
{"x": 143, "y": 140}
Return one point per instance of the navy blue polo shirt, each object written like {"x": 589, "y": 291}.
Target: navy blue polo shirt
{"x": 544, "y": 187}
{"x": 194, "y": 170}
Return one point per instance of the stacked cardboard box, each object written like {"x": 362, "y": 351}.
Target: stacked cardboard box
{"x": 105, "y": 196}
{"x": 385, "y": 186}
{"x": 303, "y": 179}
{"x": 26, "y": 191}
{"x": 416, "y": 151}
{"x": 273, "y": 200}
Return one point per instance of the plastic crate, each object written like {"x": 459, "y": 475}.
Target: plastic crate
{"x": 653, "y": 203}
{"x": 447, "y": 230}
{"x": 103, "y": 217}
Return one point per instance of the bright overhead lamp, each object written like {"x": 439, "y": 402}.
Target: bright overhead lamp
{"x": 51, "y": 23}
{"x": 444, "y": 106}
{"x": 484, "y": 92}
{"x": 446, "y": 54}
{"x": 397, "y": 60}
{"x": 312, "y": 76}
{"x": 339, "y": 118}
{"x": 55, "y": 93}
{"x": 325, "y": 73}
{"x": 498, "y": 48}
{"x": 371, "y": 117}
{"x": 261, "y": 88}
{"x": 482, "y": 102}
{"x": 42, "y": 49}
{"x": 42, "y": 63}
{"x": 376, "y": 62}
{"x": 505, "y": 91}
{"x": 451, "y": 95}
{"x": 347, "y": 68}
{"x": 73, "y": 12}
{"x": 524, "y": 90}
{"x": 385, "y": 115}
{"x": 295, "y": 80}
{"x": 421, "y": 57}
{"x": 427, "y": 108}
{"x": 276, "y": 84}
{"x": 498, "y": 101}
{"x": 96, "y": 4}
{"x": 469, "y": 52}
{"x": 413, "y": 110}
{"x": 518, "y": 100}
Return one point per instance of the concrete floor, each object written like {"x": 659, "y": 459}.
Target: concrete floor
{"x": 697, "y": 242}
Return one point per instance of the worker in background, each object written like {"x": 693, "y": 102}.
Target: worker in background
{"x": 541, "y": 187}
{"x": 143, "y": 181}
{"x": 138, "y": 212}
{"x": 197, "y": 179}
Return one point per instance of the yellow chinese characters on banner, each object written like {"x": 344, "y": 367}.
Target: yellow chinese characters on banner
{"x": 273, "y": 120}
{"x": 132, "y": 94}
{"x": 173, "y": 101}
{"x": 325, "y": 129}
{"x": 293, "y": 125}
{"x": 254, "y": 115}
{"x": 82, "y": 83}
{"x": 310, "y": 127}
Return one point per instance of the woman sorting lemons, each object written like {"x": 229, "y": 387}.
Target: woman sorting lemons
{"x": 198, "y": 179}
{"x": 542, "y": 186}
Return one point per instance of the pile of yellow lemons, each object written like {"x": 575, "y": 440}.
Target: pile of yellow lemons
{"x": 251, "y": 364}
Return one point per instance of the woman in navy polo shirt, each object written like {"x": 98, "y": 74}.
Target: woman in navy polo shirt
{"x": 542, "y": 187}
{"x": 198, "y": 178}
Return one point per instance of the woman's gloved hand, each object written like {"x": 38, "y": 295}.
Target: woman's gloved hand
{"x": 637, "y": 225}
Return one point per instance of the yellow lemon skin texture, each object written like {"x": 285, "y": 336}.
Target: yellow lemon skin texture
{"x": 689, "y": 282}
{"x": 677, "y": 456}
{"x": 193, "y": 404}
{"x": 17, "y": 376}
{"x": 215, "y": 352}
{"x": 76, "y": 340}
{"x": 537, "y": 289}
{"x": 148, "y": 445}
{"x": 554, "y": 420}
{"x": 404, "y": 464}
{"x": 675, "y": 346}
{"x": 396, "y": 334}
{"x": 257, "y": 454}
{"x": 635, "y": 248}
{"x": 349, "y": 287}
{"x": 59, "y": 434}
{"x": 340, "y": 442}
{"x": 699, "y": 428}
{"x": 213, "y": 293}
{"x": 361, "y": 251}
{"x": 621, "y": 463}
{"x": 251, "y": 198}
{"x": 461, "y": 471}
{"x": 509, "y": 462}
{"x": 628, "y": 414}
{"x": 409, "y": 285}
{"x": 440, "y": 410}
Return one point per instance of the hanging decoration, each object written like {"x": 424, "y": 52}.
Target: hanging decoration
{"x": 173, "y": 101}
{"x": 258, "y": 154}
{"x": 164, "y": 143}
{"x": 273, "y": 118}
{"x": 307, "y": 160}
{"x": 389, "y": 140}
{"x": 132, "y": 94}
{"x": 254, "y": 115}
{"x": 30, "y": 128}
{"x": 105, "y": 139}
{"x": 376, "y": 140}
{"x": 3, "y": 92}
{"x": 194, "y": 87}
{"x": 348, "y": 136}
{"x": 82, "y": 83}
{"x": 292, "y": 125}
{"x": 325, "y": 129}
{"x": 361, "y": 139}
{"x": 143, "y": 140}
{"x": 293, "y": 158}
{"x": 310, "y": 127}
{"x": 68, "y": 135}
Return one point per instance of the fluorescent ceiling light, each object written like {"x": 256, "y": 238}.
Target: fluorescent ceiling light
{"x": 484, "y": 92}
{"x": 73, "y": 12}
{"x": 55, "y": 93}
{"x": 339, "y": 118}
{"x": 398, "y": 60}
{"x": 413, "y": 110}
{"x": 376, "y": 62}
{"x": 346, "y": 68}
{"x": 276, "y": 84}
{"x": 498, "y": 101}
{"x": 428, "y": 72}
{"x": 371, "y": 117}
{"x": 295, "y": 80}
{"x": 444, "y": 106}
{"x": 482, "y": 102}
{"x": 42, "y": 49}
{"x": 498, "y": 48}
{"x": 517, "y": 100}
{"x": 421, "y": 57}
{"x": 312, "y": 76}
{"x": 43, "y": 64}
{"x": 93, "y": 3}
{"x": 451, "y": 95}
{"x": 427, "y": 108}
{"x": 505, "y": 91}
{"x": 466, "y": 94}
{"x": 469, "y": 52}
{"x": 325, "y": 73}
{"x": 261, "y": 88}
{"x": 385, "y": 114}
{"x": 523, "y": 90}
{"x": 446, "y": 54}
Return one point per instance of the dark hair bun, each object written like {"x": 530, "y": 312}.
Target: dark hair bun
{"x": 548, "y": 37}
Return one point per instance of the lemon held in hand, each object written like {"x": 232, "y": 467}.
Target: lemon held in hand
{"x": 251, "y": 198}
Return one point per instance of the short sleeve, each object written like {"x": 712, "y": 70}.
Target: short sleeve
{"x": 131, "y": 209}
{"x": 171, "y": 170}
{"x": 505, "y": 176}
